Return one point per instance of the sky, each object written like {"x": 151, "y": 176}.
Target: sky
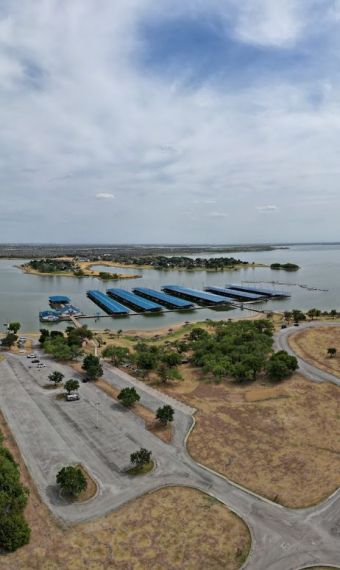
{"x": 140, "y": 121}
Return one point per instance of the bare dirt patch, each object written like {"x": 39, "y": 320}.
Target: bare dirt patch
{"x": 280, "y": 441}
{"x": 312, "y": 344}
{"x": 170, "y": 529}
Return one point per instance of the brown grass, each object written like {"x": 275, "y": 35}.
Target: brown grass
{"x": 282, "y": 441}
{"x": 170, "y": 529}
{"x": 91, "y": 487}
{"x": 312, "y": 344}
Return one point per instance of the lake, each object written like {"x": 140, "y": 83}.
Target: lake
{"x": 22, "y": 295}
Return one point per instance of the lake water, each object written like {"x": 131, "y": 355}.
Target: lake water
{"x": 22, "y": 295}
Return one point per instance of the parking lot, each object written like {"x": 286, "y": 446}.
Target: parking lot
{"x": 94, "y": 431}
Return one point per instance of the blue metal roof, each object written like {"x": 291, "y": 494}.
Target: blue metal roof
{"x": 49, "y": 314}
{"x": 59, "y": 299}
{"x": 260, "y": 290}
{"x": 134, "y": 300}
{"x": 108, "y": 305}
{"x": 163, "y": 298}
{"x": 195, "y": 294}
{"x": 234, "y": 293}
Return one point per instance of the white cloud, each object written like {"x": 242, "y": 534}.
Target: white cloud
{"x": 217, "y": 215}
{"x": 104, "y": 196}
{"x": 269, "y": 208}
{"x": 271, "y": 22}
{"x": 93, "y": 112}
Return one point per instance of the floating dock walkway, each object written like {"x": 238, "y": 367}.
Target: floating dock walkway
{"x": 163, "y": 299}
{"x": 108, "y": 305}
{"x": 273, "y": 293}
{"x": 235, "y": 295}
{"x": 199, "y": 297}
{"x": 134, "y": 301}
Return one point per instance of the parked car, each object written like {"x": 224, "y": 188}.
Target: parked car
{"x": 296, "y": 325}
{"x": 283, "y": 326}
{"x": 35, "y": 360}
{"x": 41, "y": 365}
{"x": 86, "y": 379}
{"x": 72, "y": 397}
{"x": 31, "y": 356}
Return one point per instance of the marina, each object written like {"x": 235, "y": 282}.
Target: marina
{"x": 24, "y": 296}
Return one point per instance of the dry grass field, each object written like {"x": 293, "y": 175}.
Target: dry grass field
{"x": 281, "y": 441}
{"x": 312, "y": 344}
{"x": 174, "y": 528}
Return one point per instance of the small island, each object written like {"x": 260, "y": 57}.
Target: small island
{"x": 76, "y": 267}
{"x": 285, "y": 266}
{"x": 71, "y": 267}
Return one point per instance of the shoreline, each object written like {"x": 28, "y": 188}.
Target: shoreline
{"x": 86, "y": 266}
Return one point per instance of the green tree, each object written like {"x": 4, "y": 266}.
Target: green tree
{"x": 92, "y": 367}
{"x": 60, "y": 349}
{"x": 44, "y": 335}
{"x": 14, "y": 327}
{"x": 56, "y": 377}
{"x": 333, "y": 313}
{"x": 331, "y": 352}
{"x": 165, "y": 414}
{"x": 147, "y": 357}
{"x": 117, "y": 354}
{"x": 14, "y": 531}
{"x": 288, "y": 315}
{"x": 281, "y": 365}
{"x": 313, "y": 313}
{"x": 128, "y": 396}
{"x": 298, "y": 316}
{"x": 71, "y": 480}
{"x": 141, "y": 457}
{"x": 165, "y": 373}
{"x": 198, "y": 333}
{"x": 71, "y": 385}
{"x": 171, "y": 359}
{"x": 9, "y": 340}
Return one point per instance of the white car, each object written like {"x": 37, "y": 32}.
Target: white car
{"x": 41, "y": 365}
{"x": 31, "y": 356}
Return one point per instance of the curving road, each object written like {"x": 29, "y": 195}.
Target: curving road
{"x": 100, "y": 434}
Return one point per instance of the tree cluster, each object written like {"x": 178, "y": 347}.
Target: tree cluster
{"x": 240, "y": 350}
{"x": 66, "y": 346}
{"x": 14, "y": 530}
{"x": 162, "y": 360}
{"x": 50, "y": 265}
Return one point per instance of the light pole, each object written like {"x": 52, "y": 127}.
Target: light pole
{"x": 97, "y": 404}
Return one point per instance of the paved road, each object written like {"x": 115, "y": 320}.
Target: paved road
{"x": 311, "y": 372}
{"x": 101, "y": 435}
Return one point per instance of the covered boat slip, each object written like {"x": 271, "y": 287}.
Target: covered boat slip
{"x": 235, "y": 295}
{"x": 274, "y": 293}
{"x": 199, "y": 297}
{"x": 163, "y": 299}
{"x": 134, "y": 301}
{"x": 108, "y": 305}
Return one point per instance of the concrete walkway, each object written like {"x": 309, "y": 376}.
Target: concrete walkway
{"x": 101, "y": 434}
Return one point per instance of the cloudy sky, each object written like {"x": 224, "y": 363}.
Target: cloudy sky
{"x": 169, "y": 121}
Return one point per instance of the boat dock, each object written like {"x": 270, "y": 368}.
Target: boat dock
{"x": 108, "y": 305}
{"x": 199, "y": 297}
{"x": 233, "y": 294}
{"x": 270, "y": 293}
{"x": 137, "y": 303}
{"x": 163, "y": 299}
